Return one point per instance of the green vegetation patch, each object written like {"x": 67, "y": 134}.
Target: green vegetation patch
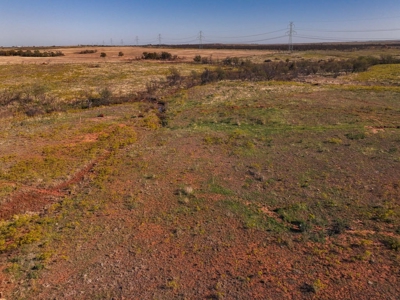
{"x": 385, "y": 74}
{"x": 251, "y": 217}
{"x": 22, "y": 229}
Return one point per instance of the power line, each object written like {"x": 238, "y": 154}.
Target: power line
{"x": 252, "y": 35}
{"x": 338, "y": 39}
{"x": 290, "y": 33}
{"x": 256, "y": 41}
{"x": 351, "y": 20}
{"x": 185, "y": 38}
{"x": 188, "y": 42}
{"x": 364, "y": 30}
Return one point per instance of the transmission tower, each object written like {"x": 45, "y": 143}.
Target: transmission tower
{"x": 111, "y": 41}
{"x": 291, "y": 32}
{"x": 159, "y": 40}
{"x": 137, "y": 41}
{"x": 201, "y": 40}
{"x": 122, "y": 42}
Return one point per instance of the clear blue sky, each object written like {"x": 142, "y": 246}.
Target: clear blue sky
{"x": 72, "y": 22}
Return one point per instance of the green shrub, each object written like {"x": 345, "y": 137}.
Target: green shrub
{"x": 197, "y": 58}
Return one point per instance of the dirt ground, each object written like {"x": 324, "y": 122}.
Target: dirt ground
{"x": 248, "y": 190}
{"x": 188, "y": 247}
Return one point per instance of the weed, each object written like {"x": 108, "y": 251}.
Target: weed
{"x": 338, "y": 226}
{"x": 212, "y": 140}
{"x": 318, "y": 285}
{"x": 172, "y": 284}
{"x": 252, "y": 218}
{"x": 6, "y": 190}
{"x": 216, "y": 188}
{"x": 151, "y": 121}
{"x": 392, "y": 243}
{"x": 317, "y": 237}
{"x": 355, "y": 136}
{"x": 23, "y": 229}
{"x": 364, "y": 256}
{"x": 336, "y": 141}
{"x": 130, "y": 202}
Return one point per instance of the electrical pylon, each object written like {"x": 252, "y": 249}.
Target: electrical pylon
{"x": 291, "y": 32}
{"x": 201, "y": 40}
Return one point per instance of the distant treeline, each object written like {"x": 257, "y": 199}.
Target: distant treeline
{"x": 296, "y": 47}
{"x": 30, "y": 53}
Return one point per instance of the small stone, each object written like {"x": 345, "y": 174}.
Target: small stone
{"x": 370, "y": 282}
{"x": 188, "y": 190}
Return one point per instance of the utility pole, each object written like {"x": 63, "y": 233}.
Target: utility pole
{"x": 201, "y": 39}
{"x": 290, "y": 33}
{"x": 159, "y": 40}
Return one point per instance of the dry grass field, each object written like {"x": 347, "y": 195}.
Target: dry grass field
{"x": 231, "y": 189}
{"x": 130, "y": 53}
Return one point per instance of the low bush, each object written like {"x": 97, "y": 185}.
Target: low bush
{"x": 159, "y": 56}
{"x": 88, "y": 51}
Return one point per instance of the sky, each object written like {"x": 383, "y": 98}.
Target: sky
{"x": 131, "y": 22}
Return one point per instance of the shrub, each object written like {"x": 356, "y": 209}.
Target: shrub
{"x": 388, "y": 59}
{"x": 105, "y": 94}
{"x": 33, "y": 111}
{"x": 392, "y": 243}
{"x": 87, "y": 51}
{"x": 103, "y": 54}
{"x": 205, "y": 60}
{"x": 121, "y": 53}
{"x": 166, "y": 55}
{"x": 231, "y": 61}
{"x": 159, "y": 56}
{"x": 197, "y": 59}
{"x": 208, "y": 76}
{"x": 174, "y": 76}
